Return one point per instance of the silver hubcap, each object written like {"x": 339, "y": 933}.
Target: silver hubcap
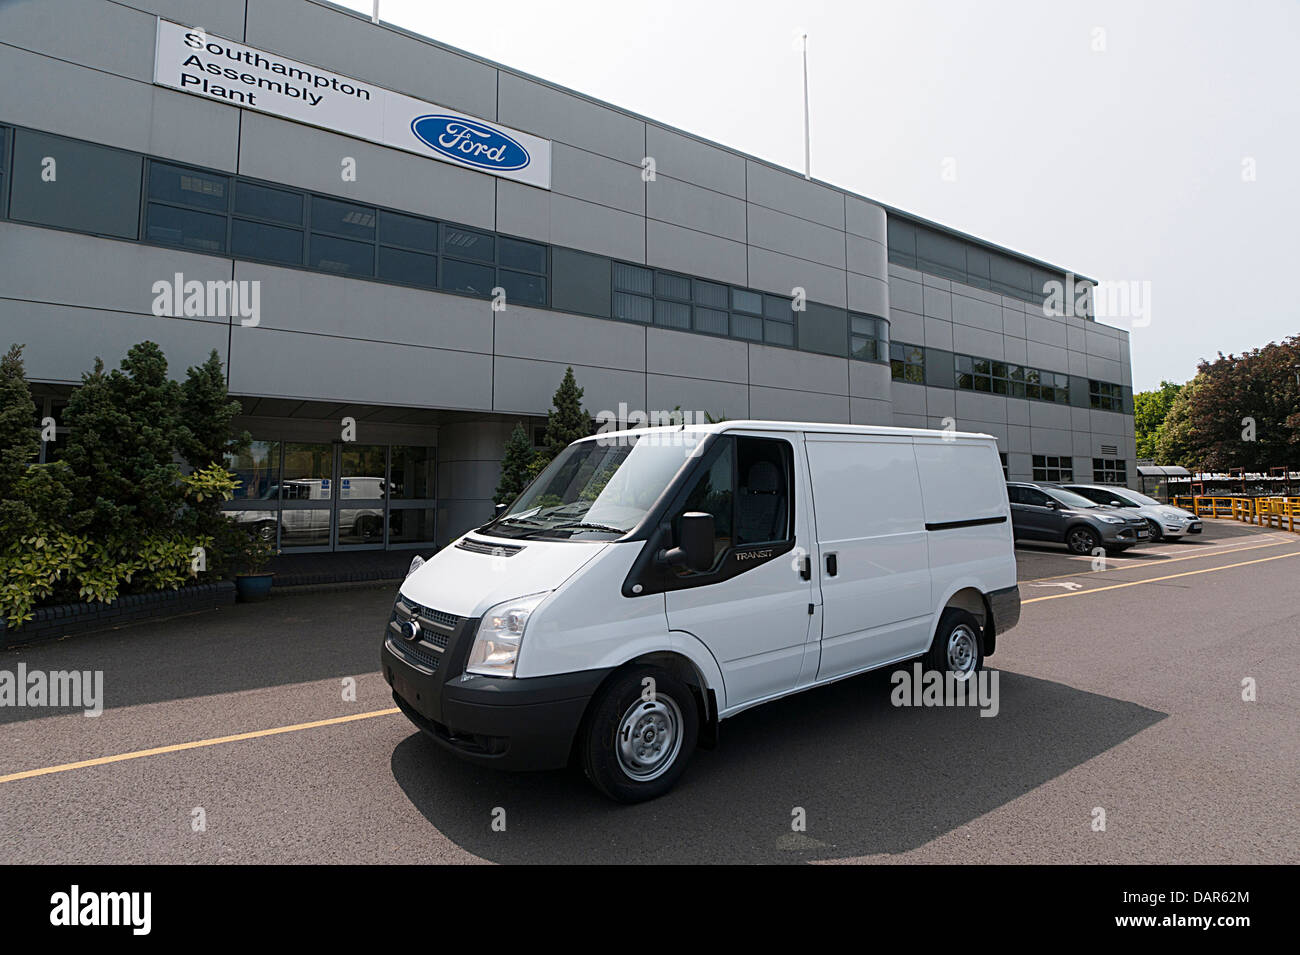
{"x": 1081, "y": 541}
{"x": 961, "y": 651}
{"x": 649, "y": 738}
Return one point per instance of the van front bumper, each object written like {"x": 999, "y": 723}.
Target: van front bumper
{"x": 506, "y": 723}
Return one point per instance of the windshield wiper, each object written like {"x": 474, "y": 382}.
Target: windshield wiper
{"x": 584, "y": 526}
{"x": 520, "y": 520}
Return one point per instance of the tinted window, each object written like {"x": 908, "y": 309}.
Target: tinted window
{"x": 408, "y": 231}
{"x": 468, "y": 245}
{"x": 467, "y": 277}
{"x": 266, "y": 203}
{"x": 342, "y": 255}
{"x": 258, "y": 240}
{"x": 188, "y": 187}
{"x": 762, "y": 498}
{"x": 520, "y": 287}
{"x": 523, "y": 255}
{"x": 409, "y": 268}
{"x": 94, "y": 189}
{"x": 187, "y": 228}
{"x": 342, "y": 218}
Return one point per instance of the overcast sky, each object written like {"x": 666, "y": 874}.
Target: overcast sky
{"x": 1112, "y": 138}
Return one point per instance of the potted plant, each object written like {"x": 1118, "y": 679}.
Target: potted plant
{"x": 254, "y": 583}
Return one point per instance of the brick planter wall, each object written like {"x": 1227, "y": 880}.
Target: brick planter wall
{"x": 49, "y": 623}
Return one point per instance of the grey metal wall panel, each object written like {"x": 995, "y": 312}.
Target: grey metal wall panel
{"x": 563, "y": 117}
{"x": 938, "y": 334}
{"x": 783, "y": 368}
{"x": 785, "y": 404}
{"x": 794, "y": 195}
{"x": 111, "y": 37}
{"x": 871, "y": 380}
{"x": 867, "y": 294}
{"x": 866, "y": 219}
{"x": 222, "y": 17}
{"x": 867, "y": 257}
{"x": 286, "y": 152}
{"x": 594, "y": 228}
{"x": 695, "y": 207}
{"x": 774, "y": 272}
{"x": 796, "y": 237}
{"x": 977, "y": 342}
{"x": 976, "y": 313}
{"x": 526, "y": 386}
{"x": 555, "y": 336}
{"x": 869, "y": 411}
{"x": 696, "y": 356}
{"x": 595, "y": 178}
{"x": 905, "y": 294}
{"x": 347, "y": 43}
{"x": 684, "y": 158}
{"x": 264, "y": 361}
{"x": 300, "y": 301}
{"x": 62, "y": 342}
{"x": 114, "y": 111}
{"x": 109, "y": 275}
{"x": 523, "y": 211}
{"x": 719, "y": 399}
{"x": 695, "y": 253}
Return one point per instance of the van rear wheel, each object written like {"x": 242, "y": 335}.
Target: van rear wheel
{"x": 958, "y": 646}
{"x": 638, "y": 737}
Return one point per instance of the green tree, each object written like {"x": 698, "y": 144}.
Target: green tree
{"x": 207, "y": 415}
{"x": 1239, "y": 411}
{"x": 566, "y": 422}
{"x": 32, "y": 497}
{"x": 123, "y": 429}
{"x": 516, "y": 466}
{"x": 19, "y": 440}
{"x": 1149, "y": 411}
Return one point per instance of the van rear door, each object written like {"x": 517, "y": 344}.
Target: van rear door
{"x": 872, "y": 562}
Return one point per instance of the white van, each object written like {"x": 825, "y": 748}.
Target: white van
{"x": 651, "y": 583}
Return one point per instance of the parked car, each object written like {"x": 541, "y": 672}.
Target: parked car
{"x": 650, "y": 584}
{"x": 1048, "y": 512}
{"x": 1163, "y": 520}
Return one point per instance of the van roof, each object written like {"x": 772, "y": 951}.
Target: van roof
{"x": 758, "y": 425}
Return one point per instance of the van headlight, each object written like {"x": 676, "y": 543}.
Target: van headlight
{"x": 496, "y": 642}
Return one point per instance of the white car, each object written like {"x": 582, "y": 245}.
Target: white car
{"x": 1165, "y": 520}
{"x": 649, "y": 584}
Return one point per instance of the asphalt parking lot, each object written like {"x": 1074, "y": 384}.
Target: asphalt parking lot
{"x": 1120, "y": 690}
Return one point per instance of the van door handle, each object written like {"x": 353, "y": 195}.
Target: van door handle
{"x": 805, "y": 567}
{"x": 832, "y": 565}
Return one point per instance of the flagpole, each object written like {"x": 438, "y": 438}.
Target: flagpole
{"x": 807, "y": 142}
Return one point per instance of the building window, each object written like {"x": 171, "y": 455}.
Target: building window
{"x": 868, "y": 338}
{"x": 1105, "y": 396}
{"x": 4, "y": 160}
{"x": 907, "y": 363}
{"x": 1109, "y": 471}
{"x": 1053, "y": 469}
{"x": 187, "y": 208}
{"x": 1016, "y": 381}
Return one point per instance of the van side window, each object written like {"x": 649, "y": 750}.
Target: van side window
{"x": 762, "y": 497}
{"x": 712, "y": 495}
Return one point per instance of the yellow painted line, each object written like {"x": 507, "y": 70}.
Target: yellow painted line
{"x": 1152, "y": 580}
{"x": 1132, "y": 563}
{"x": 196, "y": 744}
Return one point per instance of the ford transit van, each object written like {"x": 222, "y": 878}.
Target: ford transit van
{"x": 649, "y": 584}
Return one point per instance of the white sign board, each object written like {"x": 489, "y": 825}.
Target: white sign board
{"x": 214, "y": 68}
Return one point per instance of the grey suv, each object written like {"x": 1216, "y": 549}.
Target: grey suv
{"x": 1045, "y": 512}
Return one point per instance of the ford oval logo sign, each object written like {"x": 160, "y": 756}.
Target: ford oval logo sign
{"x": 467, "y": 141}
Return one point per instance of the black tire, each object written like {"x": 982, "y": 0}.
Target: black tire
{"x": 610, "y": 763}
{"x": 1082, "y": 540}
{"x": 951, "y": 622}
{"x": 1157, "y": 535}
{"x": 266, "y": 531}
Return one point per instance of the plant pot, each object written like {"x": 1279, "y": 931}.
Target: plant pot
{"x": 253, "y": 587}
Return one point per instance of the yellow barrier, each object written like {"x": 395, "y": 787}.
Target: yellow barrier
{"x": 1252, "y": 510}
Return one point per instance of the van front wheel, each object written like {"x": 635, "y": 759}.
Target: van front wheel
{"x": 639, "y": 734}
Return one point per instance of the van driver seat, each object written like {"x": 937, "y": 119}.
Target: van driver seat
{"x": 761, "y": 511}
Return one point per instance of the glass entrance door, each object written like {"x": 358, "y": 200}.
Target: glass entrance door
{"x": 363, "y": 493}
{"x": 321, "y": 496}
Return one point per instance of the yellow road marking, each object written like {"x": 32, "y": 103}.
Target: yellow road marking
{"x": 1152, "y": 580}
{"x": 1129, "y": 562}
{"x": 196, "y": 744}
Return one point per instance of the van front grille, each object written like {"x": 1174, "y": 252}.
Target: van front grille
{"x": 416, "y": 654}
{"x": 483, "y": 547}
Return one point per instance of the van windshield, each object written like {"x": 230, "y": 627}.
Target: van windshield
{"x": 596, "y": 490}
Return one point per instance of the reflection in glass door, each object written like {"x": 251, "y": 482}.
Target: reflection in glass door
{"x": 306, "y": 495}
{"x": 362, "y": 494}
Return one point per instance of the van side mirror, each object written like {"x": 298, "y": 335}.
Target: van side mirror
{"x": 498, "y": 510}
{"x": 694, "y": 549}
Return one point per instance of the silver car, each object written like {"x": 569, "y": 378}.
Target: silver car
{"x": 1165, "y": 520}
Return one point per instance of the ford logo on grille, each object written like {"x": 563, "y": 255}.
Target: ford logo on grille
{"x": 411, "y": 631}
{"x": 470, "y": 142}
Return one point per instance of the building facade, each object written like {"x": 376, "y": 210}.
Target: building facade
{"x": 391, "y": 298}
